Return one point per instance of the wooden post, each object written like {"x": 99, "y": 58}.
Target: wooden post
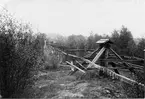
{"x": 144, "y": 57}
{"x": 144, "y": 64}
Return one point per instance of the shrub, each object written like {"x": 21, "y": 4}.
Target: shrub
{"x": 19, "y": 56}
{"x": 52, "y": 58}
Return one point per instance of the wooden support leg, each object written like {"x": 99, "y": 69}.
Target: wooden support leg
{"x": 81, "y": 66}
{"x": 126, "y": 64}
{"x": 97, "y": 56}
{"x": 144, "y": 65}
{"x": 74, "y": 66}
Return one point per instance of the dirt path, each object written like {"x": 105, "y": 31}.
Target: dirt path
{"x": 58, "y": 85}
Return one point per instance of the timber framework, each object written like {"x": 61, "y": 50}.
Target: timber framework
{"x": 104, "y": 59}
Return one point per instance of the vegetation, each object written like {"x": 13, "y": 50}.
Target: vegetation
{"x": 20, "y": 56}
{"x": 23, "y": 55}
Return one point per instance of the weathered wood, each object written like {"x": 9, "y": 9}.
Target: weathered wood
{"x": 122, "y": 78}
{"x": 75, "y": 67}
{"x": 106, "y": 56}
{"x": 110, "y": 72}
{"x": 144, "y": 64}
{"x": 118, "y": 60}
{"x": 92, "y": 54}
{"x": 81, "y": 65}
{"x": 103, "y": 41}
{"x": 136, "y": 58}
{"x": 131, "y": 69}
{"x": 115, "y": 53}
{"x": 71, "y": 50}
{"x": 97, "y": 56}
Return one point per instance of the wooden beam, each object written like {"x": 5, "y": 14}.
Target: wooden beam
{"x": 131, "y": 69}
{"x": 91, "y": 54}
{"x": 81, "y": 65}
{"x": 72, "y": 50}
{"x": 111, "y": 73}
{"x": 97, "y": 56}
{"x": 144, "y": 64}
{"x": 115, "y": 53}
{"x": 118, "y": 60}
{"x": 75, "y": 67}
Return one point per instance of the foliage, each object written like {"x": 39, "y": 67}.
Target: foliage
{"x": 20, "y": 54}
{"x": 52, "y": 58}
{"x": 76, "y": 42}
{"x": 92, "y": 39}
{"x": 140, "y": 48}
{"x": 123, "y": 42}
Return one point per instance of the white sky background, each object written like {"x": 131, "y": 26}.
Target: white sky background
{"x": 68, "y": 17}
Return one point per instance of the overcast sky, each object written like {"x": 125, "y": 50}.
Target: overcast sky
{"x": 68, "y": 17}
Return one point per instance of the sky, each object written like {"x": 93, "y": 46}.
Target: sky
{"x": 68, "y": 17}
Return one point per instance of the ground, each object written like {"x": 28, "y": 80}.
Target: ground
{"x": 57, "y": 84}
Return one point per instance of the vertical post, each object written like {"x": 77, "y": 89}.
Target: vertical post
{"x": 144, "y": 58}
{"x": 144, "y": 64}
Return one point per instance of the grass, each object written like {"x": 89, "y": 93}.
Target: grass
{"x": 58, "y": 84}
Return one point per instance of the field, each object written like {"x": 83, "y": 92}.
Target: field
{"x": 59, "y": 85}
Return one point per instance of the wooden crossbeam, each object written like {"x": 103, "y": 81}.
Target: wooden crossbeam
{"x": 97, "y": 56}
{"x": 91, "y": 54}
{"x": 122, "y": 59}
{"x": 118, "y": 60}
{"x": 81, "y": 65}
{"x": 127, "y": 61}
{"x": 75, "y": 67}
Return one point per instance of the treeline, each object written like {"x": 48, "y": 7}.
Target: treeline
{"x": 124, "y": 43}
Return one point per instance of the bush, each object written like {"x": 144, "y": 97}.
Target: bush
{"x": 19, "y": 56}
{"x": 52, "y": 58}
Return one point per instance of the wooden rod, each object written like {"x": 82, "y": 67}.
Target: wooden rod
{"x": 144, "y": 64}
{"x": 116, "y": 54}
{"x": 75, "y": 67}
{"x": 126, "y": 64}
{"x": 97, "y": 56}
{"x": 81, "y": 65}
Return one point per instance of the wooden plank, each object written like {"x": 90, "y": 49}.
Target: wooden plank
{"x": 97, "y": 56}
{"x": 132, "y": 70}
{"x": 91, "y": 54}
{"x": 144, "y": 65}
{"x": 117, "y": 60}
{"x": 75, "y": 67}
{"x": 115, "y": 53}
{"x": 129, "y": 57}
{"x": 72, "y": 50}
{"x": 81, "y": 65}
{"x": 122, "y": 78}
